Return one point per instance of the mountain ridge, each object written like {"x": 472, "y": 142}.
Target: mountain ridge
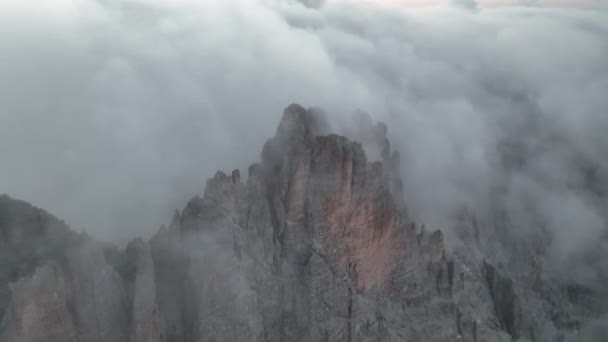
{"x": 315, "y": 245}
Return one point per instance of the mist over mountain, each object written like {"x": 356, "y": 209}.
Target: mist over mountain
{"x": 450, "y": 178}
{"x": 122, "y": 107}
{"x": 316, "y": 244}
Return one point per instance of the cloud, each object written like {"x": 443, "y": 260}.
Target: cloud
{"x": 313, "y": 3}
{"x": 470, "y": 4}
{"x": 114, "y": 112}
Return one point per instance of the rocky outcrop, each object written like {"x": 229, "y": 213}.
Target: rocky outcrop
{"x": 72, "y": 291}
{"x": 314, "y": 245}
{"x": 28, "y": 237}
{"x": 146, "y": 324}
{"x": 80, "y": 297}
{"x": 97, "y": 293}
{"x": 39, "y": 309}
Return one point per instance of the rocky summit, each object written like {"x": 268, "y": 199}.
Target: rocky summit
{"x": 314, "y": 245}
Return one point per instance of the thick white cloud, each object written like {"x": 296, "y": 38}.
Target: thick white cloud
{"x": 114, "y": 112}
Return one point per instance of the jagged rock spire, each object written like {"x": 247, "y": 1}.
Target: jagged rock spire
{"x": 299, "y": 124}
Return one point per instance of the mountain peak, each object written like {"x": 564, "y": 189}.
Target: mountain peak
{"x": 299, "y": 124}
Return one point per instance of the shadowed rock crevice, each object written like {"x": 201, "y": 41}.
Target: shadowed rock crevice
{"x": 504, "y": 299}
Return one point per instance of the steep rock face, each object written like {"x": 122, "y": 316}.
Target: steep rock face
{"x": 146, "y": 325}
{"x": 97, "y": 292}
{"x": 66, "y": 289}
{"x": 39, "y": 309}
{"x": 28, "y": 237}
{"x": 81, "y": 299}
{"x": 333, "y": 225}
{"x": 504, "y": 299}
{"x": 170, "y": 280}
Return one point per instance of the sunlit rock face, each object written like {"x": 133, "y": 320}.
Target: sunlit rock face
{"x": 314, "y": 245}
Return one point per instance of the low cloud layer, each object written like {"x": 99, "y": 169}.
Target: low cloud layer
{"x": 114, "y": 112}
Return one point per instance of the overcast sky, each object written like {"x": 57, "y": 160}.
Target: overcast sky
{"x": 492, "y": 3}
{"x": 115, "y": 112}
